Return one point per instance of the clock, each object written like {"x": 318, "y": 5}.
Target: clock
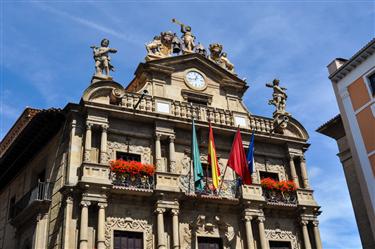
{"x": 195, "y": 80}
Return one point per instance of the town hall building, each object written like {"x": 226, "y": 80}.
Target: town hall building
{"x": 59, "y": 187}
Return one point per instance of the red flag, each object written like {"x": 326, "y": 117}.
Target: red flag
{"x": 237, "y": 159}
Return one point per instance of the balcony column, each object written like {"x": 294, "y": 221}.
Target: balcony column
{"x": 305, "y": 234}
{"x": 304, "y": 172}
{"x": 67, "y": 223}
{"x": 160, "y": 225}
{"x": 158, "y": 152}
{"x": 262, "y": 233}
{"x": 318, "y": 241}
{"x": 103, "y": 145}
{"x": 101, "y": 226}
{"x": 172, "y": 154}
{"x": 41, "y": 232}
{"x": 293, "y": 171}
{"x": 88, "y": 137}
{"x": 83, "y": 231}
{"x": 175, "y": 227}
{"x": 249, "y": 232}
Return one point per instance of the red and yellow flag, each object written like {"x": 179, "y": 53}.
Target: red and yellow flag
{"x": 212, "y": 159}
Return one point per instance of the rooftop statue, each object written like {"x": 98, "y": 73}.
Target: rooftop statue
{"x": 280, "y": 116}
{"x": 102, "y": 59}
{"x": 220, "y": 58}
{"x": 161, "y": 46}
{"x": 279, "y": 96}
{"x": 188, "y": 38}
{"x": 200, "y": 49}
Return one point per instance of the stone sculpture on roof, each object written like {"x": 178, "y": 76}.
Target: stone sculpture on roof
{"x": 188, "y": 38}
{"x": 279, "y": 96}
{"x": 102, "y": 59}
{"x": 168, "y": 43}
{"x": 160, "y": 46}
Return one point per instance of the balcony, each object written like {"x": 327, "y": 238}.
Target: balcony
{"x": 280, "y": 198}
{"x": 183, "y": 110}
{"x": 133, "y": 182}
{"x": 36, "y": 200}
{"x": 228, "y": 189}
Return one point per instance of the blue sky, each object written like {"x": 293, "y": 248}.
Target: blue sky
{"x": 46, "y": 61}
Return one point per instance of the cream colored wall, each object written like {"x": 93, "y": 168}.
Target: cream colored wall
{"x": 172, "y": 89}
{"x": 23, "y": 183}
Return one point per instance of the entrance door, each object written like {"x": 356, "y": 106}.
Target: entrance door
{"x": 280, "y": 245}
{"x": 128, "y": 240}
{"x": 209, "y": 243}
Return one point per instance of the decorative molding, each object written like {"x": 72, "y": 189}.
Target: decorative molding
{"x": 131, "y": 225}
{"x": 145, "y": 152}
{"x": 281, "y": 235}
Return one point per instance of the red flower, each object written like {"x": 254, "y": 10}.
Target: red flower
{"x": 283, "y": 186}
{"x": 132, "y": 168}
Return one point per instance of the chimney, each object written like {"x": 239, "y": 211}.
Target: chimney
{"x": 335, "y": 65}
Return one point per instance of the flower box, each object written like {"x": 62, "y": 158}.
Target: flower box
{"x": 132, "y": 174}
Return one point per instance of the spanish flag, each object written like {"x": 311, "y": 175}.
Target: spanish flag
{"x": 212, "y": 159}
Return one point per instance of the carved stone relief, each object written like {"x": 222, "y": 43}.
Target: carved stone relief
{"x": 281, "y": 235}
{"x": 145, "y": 152}
{"x": 206, "y": 226}
{"x": 131, "y": 225}
{"x": 273, "y": 165}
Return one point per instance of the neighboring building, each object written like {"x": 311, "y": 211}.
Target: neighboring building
{"x": 57, "y": 189}
{"x": 353, "y": 81}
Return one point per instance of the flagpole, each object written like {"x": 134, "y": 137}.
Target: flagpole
{"x": 222, "y": 180}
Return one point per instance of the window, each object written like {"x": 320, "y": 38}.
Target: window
{"x": 271, "y": 175}
{"x": 128, "y": 240}
{"x": 280, "y": 245}
{"x": 209, "y": 243}
{"x": 371, "y": 79}
{"x": 128, "y": 156}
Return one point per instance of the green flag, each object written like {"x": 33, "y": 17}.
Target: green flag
{"x": 197, "y": 165}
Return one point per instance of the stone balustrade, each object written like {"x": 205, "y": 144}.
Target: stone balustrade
{"x": 184, "y": 110}
{"x": 280, "y": 198}
{"x": 305, "y": 197}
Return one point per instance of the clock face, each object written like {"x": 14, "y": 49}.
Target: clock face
{"x": 195, "y": 79}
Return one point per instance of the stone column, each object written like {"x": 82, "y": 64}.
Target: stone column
{"x": 305, "y": 234}
{"x": 249, "y": 232}
{"x": 262, "y": 233}
{"x": 83, "y": 231}
{"x": 67, "y": 223}
{"x": 158, "y": 152}
{"x": 88, "y": 143}
{"x": 293, "y": 171}
{"x": 318, "y": 241}
{"x": 41, "y": 232}
{"x": 304, "y": 172}
{"x": 172, "y": 154}
{"x": 101, "y": 224}
{"x": 103, "y": 145}
{"x": 175, "y": 227}
{"x": 160, "y": 225}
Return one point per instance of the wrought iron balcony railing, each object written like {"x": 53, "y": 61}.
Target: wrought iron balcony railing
{"x": 41, "y": 192}
{"x": 280, "y": 198}
{"x": 136, "y": 182}
{"x": 228, "y": 190}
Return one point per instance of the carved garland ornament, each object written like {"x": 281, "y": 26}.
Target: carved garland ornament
{"x": 280, "y": 235}
{"x": 203, "y": 227}
{"x": 128, "y": 224}
{"x": 145, "y": 152}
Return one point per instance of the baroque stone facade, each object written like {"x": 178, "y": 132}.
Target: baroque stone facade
{"x": 87, "y": 207}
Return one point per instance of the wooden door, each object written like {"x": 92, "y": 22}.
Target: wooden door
{"x": 209, "y": 243}
{"x": 128, "y": 240}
